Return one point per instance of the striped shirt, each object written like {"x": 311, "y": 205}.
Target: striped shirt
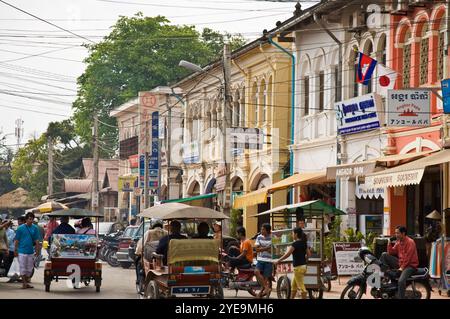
{"x": 264, "y": 242}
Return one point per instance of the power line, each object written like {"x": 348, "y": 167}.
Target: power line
{"x": 45, "y": 21}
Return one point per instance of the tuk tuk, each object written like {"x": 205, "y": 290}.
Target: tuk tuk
{"x": 283, "y": 220}
{"x": 74, "y": 256}
{"x": 193, "y": 265}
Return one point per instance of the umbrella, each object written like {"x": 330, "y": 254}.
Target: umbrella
{"x": 181, "y": 211}
{"x": 49, "y": 207}
{"x": 434, "y": 215}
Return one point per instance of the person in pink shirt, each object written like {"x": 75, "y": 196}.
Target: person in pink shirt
{"x": 402, "y": 256}
{"x": 51, "y": 226}
{"x": 86, "y": 227}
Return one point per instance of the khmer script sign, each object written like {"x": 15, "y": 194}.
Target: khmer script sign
{"x": 409, "y": 107}
{"x": 358, "y": 114}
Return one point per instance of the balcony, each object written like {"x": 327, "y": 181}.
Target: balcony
{"x": 318, "y": 126}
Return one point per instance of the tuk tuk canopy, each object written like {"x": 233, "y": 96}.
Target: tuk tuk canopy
{"x": 181, "y": 211}
{"x": 310, "y": 208}
{"x": 74, "y": 212}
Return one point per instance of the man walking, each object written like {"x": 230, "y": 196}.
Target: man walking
{"x": 26, "y": 247}
{"x": 402, "y": 256}
{"x": 264, "y": 269}
{"x": 11, "y": 234}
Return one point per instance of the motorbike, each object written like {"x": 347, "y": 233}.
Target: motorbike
{"x": 417, "y": 286}
{"x": 109, "y": 247}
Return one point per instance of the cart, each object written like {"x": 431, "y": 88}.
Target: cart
{"x": 283, "y": 220}
{"x": 74, "y": 256}
{"x": 193, "y": 265}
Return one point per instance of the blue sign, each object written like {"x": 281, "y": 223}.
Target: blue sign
{"x": 445, "y": 85}
{"x": 153, "y": 160}
{"x": 357, "y": 115}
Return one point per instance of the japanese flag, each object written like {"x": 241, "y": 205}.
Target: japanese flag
{"x": 386, "y": 78}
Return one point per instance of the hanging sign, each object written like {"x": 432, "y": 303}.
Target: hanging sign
{"x": 445, "y": 85}
{"x": 358, "y": 114}
{"x": 409, "y": 107}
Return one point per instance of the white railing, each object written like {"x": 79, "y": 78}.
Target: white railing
{"x": 317, "y": 126}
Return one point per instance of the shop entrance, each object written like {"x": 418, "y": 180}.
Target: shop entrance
{"x": 370, "y": 215}
{"x": 422, "y": 199}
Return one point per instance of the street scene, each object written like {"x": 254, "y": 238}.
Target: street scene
{"x": 239, "y": 149}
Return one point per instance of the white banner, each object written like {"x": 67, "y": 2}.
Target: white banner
{"x": 347, "y": 259}
{"x": 396, "y": 179}
{"x": 409, "y": 107}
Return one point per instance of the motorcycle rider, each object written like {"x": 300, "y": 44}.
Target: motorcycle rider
{"x": 401, "y": 256}
{"x": 246, "y": 251}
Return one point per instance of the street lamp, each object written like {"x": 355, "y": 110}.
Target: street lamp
{"x": 196, "y": 68}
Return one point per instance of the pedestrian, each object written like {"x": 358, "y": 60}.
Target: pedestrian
{"x": 299, "y": 251}
{"x": 41, "y": 229}
{"x": 26, "y": 247}
{"x": 264, "y": 267}
{"x": 11, "y": 234}
{"x": 51, "y": 226}
{"x": 3, "y": 241}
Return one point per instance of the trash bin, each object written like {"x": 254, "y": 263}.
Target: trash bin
{"x": 380, "y": 246}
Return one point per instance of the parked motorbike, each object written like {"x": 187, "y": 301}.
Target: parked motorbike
{"x": 109, "y": 247}
{"x": 417, "y": 286}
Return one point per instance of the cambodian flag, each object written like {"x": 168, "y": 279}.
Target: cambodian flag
{"x": 366, "y": 66}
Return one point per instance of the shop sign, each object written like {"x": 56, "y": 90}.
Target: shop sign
{"x": 445, "y": 85}
{"x": 409, "y": 107}
{"x": 347, "y": 259}
{"x": 358, "y": 114}
{"x": 126, "y": 183}
{"x": 365, "y": 191}
{"x": 351, "y": 170}
{"x": 134, "y": 161}
{"x": 396, "y": 179}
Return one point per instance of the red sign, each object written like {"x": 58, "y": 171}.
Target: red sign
{"x": 134, "y": 161}
{"x": 148, "y": 99}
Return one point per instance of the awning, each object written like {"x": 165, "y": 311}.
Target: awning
{"x": 299, "y": 179}
{"x": 257, "y": 197}
{"x": 260, "y": 196}
{"x": 369, "y": 167}
{"x": 188, "y": 199}
{"x": 315, "y": 207}
{"x": 407, "y": 174}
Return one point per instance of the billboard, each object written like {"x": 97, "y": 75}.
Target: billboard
{"x": 409, "y": 107}
{"x": 358, "y": 114}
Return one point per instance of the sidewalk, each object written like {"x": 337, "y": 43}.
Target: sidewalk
{"x": 338, "y": 285}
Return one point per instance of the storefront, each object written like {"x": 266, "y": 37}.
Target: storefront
{"x": 414, "y": 190}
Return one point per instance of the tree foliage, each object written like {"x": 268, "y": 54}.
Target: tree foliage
{"x": 139, "y": 54}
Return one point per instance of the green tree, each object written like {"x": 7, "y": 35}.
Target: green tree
{"x": 30, "y": 165}
{"x": 139, "y": 54}
{"x": 6, "y": 157}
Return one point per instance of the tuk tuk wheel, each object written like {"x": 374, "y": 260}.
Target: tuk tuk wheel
{"x": 217, "y": 292}
{"x": 283, "y": 288}
{"x": 315, "y": 293}
{"x": 97, "y": 288}
{"x": 47, "y": 288}
{"x": 152, "y": 290}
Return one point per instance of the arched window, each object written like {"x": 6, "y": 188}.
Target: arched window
{"x": 424, "y": 48}
{"x": 255, "y": 105}
{"x": 236, "y": 109}
{"x": 306, "y": 95}
{"x": 242, "y": 110}
{"x": 263, "y": 91}
{"x": 406, "y": 60}
{"x": 440, "y": 57}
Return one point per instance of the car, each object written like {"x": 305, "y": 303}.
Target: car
{"x": 123, "y": 254}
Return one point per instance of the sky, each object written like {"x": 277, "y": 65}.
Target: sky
{"x": 39, "y": 63}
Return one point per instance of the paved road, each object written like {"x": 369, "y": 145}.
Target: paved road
{"x": 118, "y": 283}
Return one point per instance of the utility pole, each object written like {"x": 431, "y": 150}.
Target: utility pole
{"x": 168, "y": 145}
{"x": 226, "y": 120}
{"x": 50, "y": 165}
{"x": 95, "y": 175}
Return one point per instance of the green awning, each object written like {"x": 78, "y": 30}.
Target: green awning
{"x": 189, "y": 199}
